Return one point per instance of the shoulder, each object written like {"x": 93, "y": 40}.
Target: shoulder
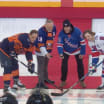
{"x": 23, "y": 36}
{"x": 77, "y": 30}
{"x": 54, "y": 28}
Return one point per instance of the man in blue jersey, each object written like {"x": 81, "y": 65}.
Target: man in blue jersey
{"x": 71, "y": 42}
{"x": 43, "y": 51}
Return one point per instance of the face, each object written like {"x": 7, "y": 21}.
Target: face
{"x": 49, "y": 26}
{"x": 33, "y": 37}
{"x": 89, "y": 37}
{"x": 67, "y": 29}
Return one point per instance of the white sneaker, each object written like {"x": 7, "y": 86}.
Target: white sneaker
{"x": 11, "y": 91}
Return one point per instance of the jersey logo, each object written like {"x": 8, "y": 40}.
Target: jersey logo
{"x": 40, "y": 39}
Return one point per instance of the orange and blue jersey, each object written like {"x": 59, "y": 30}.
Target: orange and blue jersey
{"x": 20, "y": 44}
{"x": 45, "y": 39}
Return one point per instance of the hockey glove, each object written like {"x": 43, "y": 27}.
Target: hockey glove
{"x": 31, "y": 67}
{"x": 93, "y": 70}
{"x": 12, "y": 54}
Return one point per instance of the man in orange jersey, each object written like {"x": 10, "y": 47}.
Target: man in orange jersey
{"x": 9, "y": 49}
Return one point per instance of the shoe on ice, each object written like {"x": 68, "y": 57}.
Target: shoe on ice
{"x": 62, "y": 84}
{"x": 18, "y": 84}
{"x": 10, "y": 90}
{"x": 101, "y": 87}
{"x": 83, "y": 85}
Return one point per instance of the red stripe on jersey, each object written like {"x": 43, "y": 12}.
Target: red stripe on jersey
{"x": 101, "y": 38}
{"x": 103, "y": 71}
{"x": 95, "y": 54}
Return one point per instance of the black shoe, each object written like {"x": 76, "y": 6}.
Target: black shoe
{"x": 41, "y": 85}
{"x": 49, "y": 81}
{"x": 100, "y": 87}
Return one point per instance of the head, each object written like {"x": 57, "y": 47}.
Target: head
{"x": 89, "y": 35}
{"x": 8, "y": 99}
{"x": 33, "y": 35}
{"x": 67, "y": 26}
{"x": 49, "y": 25}
{"x": 39, "y": 97}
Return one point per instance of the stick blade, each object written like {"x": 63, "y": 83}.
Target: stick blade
{"x": 56, "y": 94}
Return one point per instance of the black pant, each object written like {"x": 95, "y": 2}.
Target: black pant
{"x": 64, "y": 67}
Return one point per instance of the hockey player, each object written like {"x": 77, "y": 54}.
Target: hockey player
{"x": 96, "y": 43}
{"x": 43, "y": 51}
{"x": 71, "y": 42}
{"x": 10, "y": 48}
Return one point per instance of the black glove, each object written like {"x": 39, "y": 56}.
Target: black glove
{"x": 31, "y": 67}
{"x": 12, "y": 54}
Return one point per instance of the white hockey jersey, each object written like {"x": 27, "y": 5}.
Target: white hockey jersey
{"x": 97, "y": 47}
{"x": 98, "y": 44}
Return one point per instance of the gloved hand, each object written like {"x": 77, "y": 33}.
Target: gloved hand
{"x": 31, "y": 67}
{"x": 93, "y": 70}
{"x": 12, "y": 54}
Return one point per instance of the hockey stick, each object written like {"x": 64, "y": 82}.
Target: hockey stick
{"x": 64, "y": 92}
{"x": 36, "y": 73}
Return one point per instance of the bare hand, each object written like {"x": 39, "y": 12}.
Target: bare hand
{"x": 48, "y": 55}
{"x": 80, "y": 56}
{"x": 61, "y": 56}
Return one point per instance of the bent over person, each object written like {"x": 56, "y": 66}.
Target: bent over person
{"x": 10, "y": 48}
{"x": 71, "y": 42}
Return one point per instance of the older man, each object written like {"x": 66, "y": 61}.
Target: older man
{"x": 43, "y": 51}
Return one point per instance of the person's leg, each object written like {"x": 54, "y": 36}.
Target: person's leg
{"x": 64, "y": 70}
{"x": 15, "y": 74}
{"x": 7, "y": 65}
{"x": 80, "y": 70}
{"x": 46, "y": 68}
{"x": 41, "y": 68}
{"x": 7, "y": 78}
{"x": 46, "y": 71}
{"x": 102, "y": 77}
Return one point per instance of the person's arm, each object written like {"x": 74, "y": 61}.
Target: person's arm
{"x": 60, "y": 44}
{"x": 82, "y": 44}
{"x": 12, "y": 52}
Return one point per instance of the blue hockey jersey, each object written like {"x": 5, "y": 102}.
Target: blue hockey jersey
{"x": 20, "y": 44}
{"x": 45, "y": 39}
{"x": 71, "y": 44}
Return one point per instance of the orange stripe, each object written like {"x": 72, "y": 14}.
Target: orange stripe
{"x": 37, "y": 49}
{"x": 7, "y": 77}
{"x": 29, "y": 4}
{"x": 15, "y": 72}
{"x": 88, "y": 4}
{"x": 49, "y": 34}
{"x": 49, "y": 41}
{"x": 4, "y": 52}
{"x": 40, "y": 44}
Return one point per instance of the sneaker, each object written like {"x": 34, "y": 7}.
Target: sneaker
{"x": 83, "y": 85}
{"x": 62, "y": 84}
{"x": 101, "y": 87}
{"x": 41, "y": 85}
{"x": 18, "y": 84}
